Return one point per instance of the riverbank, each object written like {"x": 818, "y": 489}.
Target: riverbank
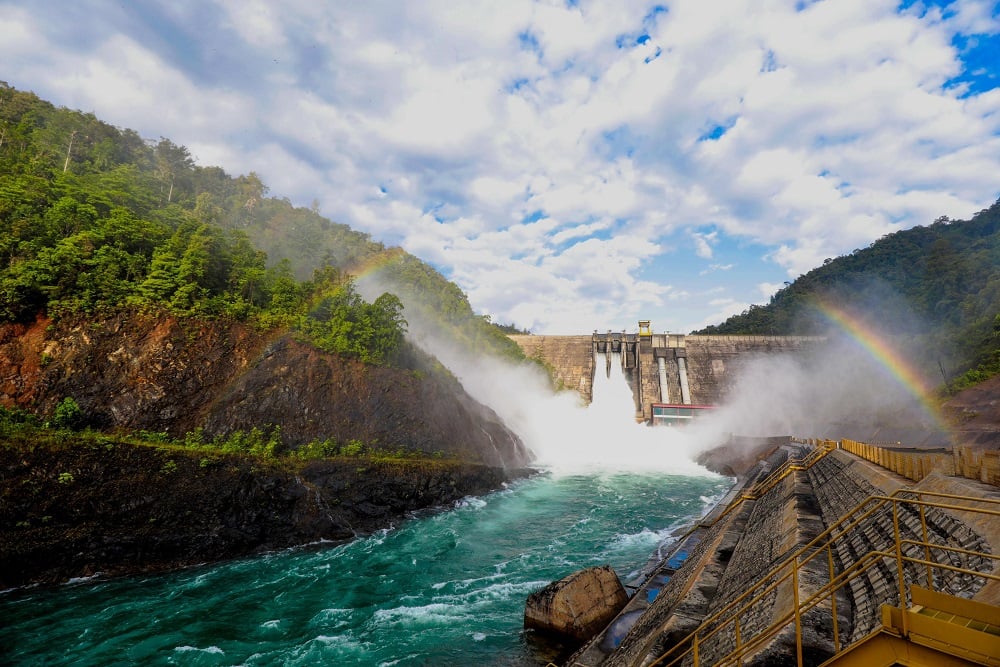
{"x": 75, "y": 505}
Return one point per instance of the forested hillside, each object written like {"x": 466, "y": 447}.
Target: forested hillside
{"x": 94, "y": 219}
{"x": 938, "y": 284}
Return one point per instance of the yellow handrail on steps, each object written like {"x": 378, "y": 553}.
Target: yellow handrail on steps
{"x": 789, "y": 572}
{"x": 760, "y": 488}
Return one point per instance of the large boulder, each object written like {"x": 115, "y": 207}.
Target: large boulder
{"x": 577, "y": 606}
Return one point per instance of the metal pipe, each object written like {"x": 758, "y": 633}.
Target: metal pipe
{"x": 664, "y": 392}
{"x": 685, "y": 392}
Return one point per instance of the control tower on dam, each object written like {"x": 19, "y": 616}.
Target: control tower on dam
{"x": 665, "y": 371}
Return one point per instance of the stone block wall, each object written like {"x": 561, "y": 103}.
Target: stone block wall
{"x": 840, "y": 489}
{"x": 714, "y": 362}
{"x": 649, "y": 377}
{"x": 571, "y": 357}
{"x": 913, "y": 463}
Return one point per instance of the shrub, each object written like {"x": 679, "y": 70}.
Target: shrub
{"x": 67, "y": 414}
{"x": 353, "y": 448}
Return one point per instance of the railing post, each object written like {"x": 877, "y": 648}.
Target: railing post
{"x": 795, "y": 604}
{"x": 899, "y": 566}
{"x": 739, "y": 642}
{"x": 927, "y": 545}
{"x": 833, "y": 598}
{"x": 694, "y": 649}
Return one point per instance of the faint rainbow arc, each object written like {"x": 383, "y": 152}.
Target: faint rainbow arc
{"x": 885, "y": 355}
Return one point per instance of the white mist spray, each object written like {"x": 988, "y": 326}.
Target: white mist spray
{"x": 565, "y": 436}
{"x": 605, "y": 435}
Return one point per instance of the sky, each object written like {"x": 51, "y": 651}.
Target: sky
{"x": 571, "y": 165}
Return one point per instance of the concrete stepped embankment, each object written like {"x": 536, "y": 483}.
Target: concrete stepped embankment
{"x": 843, "y": 482}
{"x": 741, "y": 551}
{"x": 677, "y": 590}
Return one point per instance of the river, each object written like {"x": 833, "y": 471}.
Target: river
{"x": 443, "y": 588}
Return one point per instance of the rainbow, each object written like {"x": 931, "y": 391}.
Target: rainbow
{"x": 884, "y": 354}
{"x": 373, "y": 263}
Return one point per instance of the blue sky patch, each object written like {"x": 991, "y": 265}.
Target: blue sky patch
{"x": 616, "y": 143}
{"x": 979, "y": 55}
{"x": 716, "y": 132}
{"x": 926, "y": 5}
{"x": 517, "y": 84}
{"x": 770, "y": 63}
{"x": 654, "y": 14}
{"x": 529, "y": 42}
{"x": 534, "y": 216}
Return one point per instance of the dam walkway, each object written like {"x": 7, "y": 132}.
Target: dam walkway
{"x": 823, "y": 556}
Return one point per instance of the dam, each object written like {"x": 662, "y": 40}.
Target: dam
{"x": 827, "y": 551}
{"x": 662, "y": 369}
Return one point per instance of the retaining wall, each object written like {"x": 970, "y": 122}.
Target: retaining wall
{"x": 982, "y": 465}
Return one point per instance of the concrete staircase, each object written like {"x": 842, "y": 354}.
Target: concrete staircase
{"x": 938, "y": 629}
{"x": 840, "y": 493}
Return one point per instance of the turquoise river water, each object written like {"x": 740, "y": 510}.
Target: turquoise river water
{"x": 442, "y": 588}
{"x": 446, "y": 588}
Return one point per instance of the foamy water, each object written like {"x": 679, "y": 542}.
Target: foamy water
{"x": 604, "y": 435}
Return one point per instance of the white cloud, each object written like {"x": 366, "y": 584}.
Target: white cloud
{"x": 767, "y": 290}
{"x": 256, "y": 21}
{"x": 616, "y": 129}
{"x": 18, "y": 34}
{"x": 703, "y": 242}
{"x": 720, "y": 310}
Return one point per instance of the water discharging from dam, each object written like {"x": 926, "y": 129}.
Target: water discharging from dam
{"x": 444, "y": 588}
{"x": 604, "y": 435}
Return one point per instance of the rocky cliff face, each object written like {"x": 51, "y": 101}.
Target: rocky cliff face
{"x": 163, "y": 374}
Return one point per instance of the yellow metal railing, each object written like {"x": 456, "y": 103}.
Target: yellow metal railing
{"x": 969, "y": 462}
{"x": 821, "y": 449}
{"x": 817, "y": 559}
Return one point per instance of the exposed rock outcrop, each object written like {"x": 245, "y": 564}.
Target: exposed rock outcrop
{"x": 975, "y": 415}
{"x": 161, "y": 373}
{"x": 96, "y": 505}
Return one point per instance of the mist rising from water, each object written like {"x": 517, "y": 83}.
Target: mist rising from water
{"x": 835, "y": 387}
{"x": 566, "y": 436}
{"x": 811, "y": 395}
{"x": 605, "y": 434}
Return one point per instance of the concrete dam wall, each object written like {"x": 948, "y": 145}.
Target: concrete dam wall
{"x": 661, "y": 368}
{"x": 571, "y": 359}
